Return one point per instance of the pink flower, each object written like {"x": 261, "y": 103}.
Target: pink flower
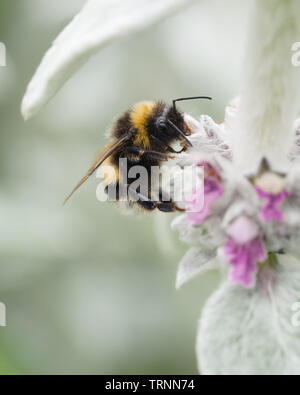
{"x": 271, "y": 209}
{"x": 244, "y": 249}
{"x": 198, "y": 209}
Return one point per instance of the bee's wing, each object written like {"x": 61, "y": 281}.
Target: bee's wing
{"x": 105, "y": 153}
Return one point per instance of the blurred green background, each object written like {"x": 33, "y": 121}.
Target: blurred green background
{"x": 89, "y": 290}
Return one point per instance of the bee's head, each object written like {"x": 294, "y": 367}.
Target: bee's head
{"x": 170, "y": 122}
{"x": 171, "y": 126}
{"x": 169, "y": 114}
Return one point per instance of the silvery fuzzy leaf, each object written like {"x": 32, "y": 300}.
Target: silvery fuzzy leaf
{"x": 295, "y": 151}
{"x": 237, "y": 209}
{"x": 208, "y": 235}
{"x": 97, "y": 24}
{"x": 297, "y": 127}
{"x": 196, "y": 261}
{"x": 195, "y": 126}
{"x": 269, "y": 93}
{"x": 209, "y": 138}
{"x": 237, "y": 186}
{"x": 231, "y": 112}
{"x": 284, "y": 235}
{"x": 293, "y": 183}
{"x": 253, "y": 331}
{"x": 213, "y": 130}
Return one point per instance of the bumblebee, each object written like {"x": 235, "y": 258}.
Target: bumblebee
{"x": 143, "y": 136}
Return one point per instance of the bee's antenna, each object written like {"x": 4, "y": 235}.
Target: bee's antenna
{"x": 190, "y": 98}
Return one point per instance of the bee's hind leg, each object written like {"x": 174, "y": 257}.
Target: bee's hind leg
{"x": 168, "y": 207}
{"x": 140, "y": 200}
{"x": 166, "y": 204}
{"x": 150, "y": 205}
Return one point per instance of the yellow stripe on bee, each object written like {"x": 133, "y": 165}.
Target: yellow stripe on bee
{"x": 139, "y": 116}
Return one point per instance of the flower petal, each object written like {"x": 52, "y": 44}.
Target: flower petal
{"x": 244, "y": 259}
{"x": 243, "y": 230}
{"x": 271, "y": 210}
{"x": 196, "y": 261}
{"x": 97, "y": 24}
{"x": 253, "y": 331}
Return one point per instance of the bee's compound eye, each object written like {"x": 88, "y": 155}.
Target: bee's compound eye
{"x": 161, "y": 124}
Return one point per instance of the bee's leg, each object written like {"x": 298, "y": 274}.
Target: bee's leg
{"x": 166, "y": 204}
{"x": 160, "y": 144}
{"x": 143, "y": 201}
{"x": 136, "y": 153}
{"x": 163, "y": 146}
{"x": 132, "y": 153}
{"x": 168, "y": 207}
{"x": 150, "y": 205}
{"x": 184, "y": 149}
{"x": 177, "y": 152}
{"x": 158, "y": 155}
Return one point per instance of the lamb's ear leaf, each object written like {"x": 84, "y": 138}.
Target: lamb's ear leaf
{"x": 264, "y": 124}
{"x": 253, "y": 331}
{"x": 196, "y": 261}
{"x": 97, "y": 24}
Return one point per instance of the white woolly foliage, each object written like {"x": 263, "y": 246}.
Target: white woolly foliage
{"x": 293, "y": 181}
{"x": 241, "y": 331}
{"x": 209, "y": 137}
{"x": 98, "y": 23}
{"x": 196, "y": 261}
{"x": 240, "y": 196}
{"x": 251, "y": 331}
{"x": 269, "y": 97}
{"x": 208, "y": 235}
{"x": 286, "y": 235}
{"x": 295, "y": 151}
